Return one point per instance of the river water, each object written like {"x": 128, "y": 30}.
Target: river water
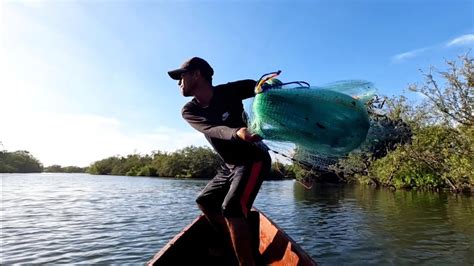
{"x": 79, "y": 218}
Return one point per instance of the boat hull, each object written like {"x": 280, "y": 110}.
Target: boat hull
{"x": 198, "y": 244}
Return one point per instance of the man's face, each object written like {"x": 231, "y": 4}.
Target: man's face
{"x": 187, "y": 83}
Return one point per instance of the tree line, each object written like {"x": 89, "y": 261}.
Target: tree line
{"x": 19, "y": 162}
{"x": 189, "y": 162}
{"x": 439, "y": 153}
{"x": 55, "y": 168}
{"x": 24, "y": 162}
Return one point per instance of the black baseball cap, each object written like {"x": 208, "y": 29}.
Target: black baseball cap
{"x": 194, "y": 63}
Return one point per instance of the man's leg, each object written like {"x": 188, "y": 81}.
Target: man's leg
{"x": 241, "y": 237}
{"x": 218, "y": 222}
{"x": 210, "y": 200}
{"x": 245, "y": 183}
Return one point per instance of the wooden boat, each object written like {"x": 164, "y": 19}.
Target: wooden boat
{"x": 195, "y": 245}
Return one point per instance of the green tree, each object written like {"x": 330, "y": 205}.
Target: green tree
{"x": 67, "y": 169}
{"x": 74, "y": 169}
{"x": 279, "y": 170}
{"x": 19, "y": 162}
{"x": 453, "y": 103}
{"x": 190, "y": 162}
{"x": 104, "y": 166}
{"x": 53, "y": 169}
{"x": 441, "y": 151}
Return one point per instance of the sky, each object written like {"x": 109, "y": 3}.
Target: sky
{"x": 84, "y": 80}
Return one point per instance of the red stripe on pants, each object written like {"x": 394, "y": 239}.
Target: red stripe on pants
{"x": 256, "y": 167}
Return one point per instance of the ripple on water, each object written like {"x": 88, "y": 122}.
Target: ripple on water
{"x": 82, "y": 219}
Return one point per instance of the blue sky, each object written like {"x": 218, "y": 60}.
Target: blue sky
{"x": 84, "y": 80}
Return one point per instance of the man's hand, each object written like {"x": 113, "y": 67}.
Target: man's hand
{"x": 245, "y": 135}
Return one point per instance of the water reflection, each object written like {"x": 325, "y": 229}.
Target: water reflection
{"x": 360, "y": 225}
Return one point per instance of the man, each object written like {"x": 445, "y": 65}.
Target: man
{"x": 217, "y": 112}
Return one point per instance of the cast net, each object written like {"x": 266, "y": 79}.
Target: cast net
{"x": 311, "y": 125}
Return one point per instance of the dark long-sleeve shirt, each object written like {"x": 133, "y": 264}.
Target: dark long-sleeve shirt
{"x": 220, "y": 121}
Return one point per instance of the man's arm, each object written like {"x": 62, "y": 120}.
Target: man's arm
{"x": 204, "y": 126}
{"x": 243, "y": 89}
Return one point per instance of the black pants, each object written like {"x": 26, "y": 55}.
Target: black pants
{"x": 233, "y": 194}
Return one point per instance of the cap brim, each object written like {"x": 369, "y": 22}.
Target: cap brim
{"x": 176, "y": 74}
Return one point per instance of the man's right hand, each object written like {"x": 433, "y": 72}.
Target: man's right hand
{"x": 245, "y": 135}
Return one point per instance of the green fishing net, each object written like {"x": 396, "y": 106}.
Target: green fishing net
{"x": 314, "y": 125}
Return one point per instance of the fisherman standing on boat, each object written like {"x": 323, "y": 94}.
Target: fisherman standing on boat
{"x": 217, "y": 112}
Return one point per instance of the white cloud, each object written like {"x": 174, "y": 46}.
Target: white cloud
{"x": 467, "y": 39}
{"x": 407, "y": 55}
{"x": 81, "y": 139}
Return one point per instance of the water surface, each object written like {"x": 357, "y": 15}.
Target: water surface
{"x": 78, "y": 218}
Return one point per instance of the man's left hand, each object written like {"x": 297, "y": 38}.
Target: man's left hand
{"x": 244, "y": 134}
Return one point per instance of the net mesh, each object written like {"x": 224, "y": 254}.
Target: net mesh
{"x": 318, "y": 121}
{"x": 313, "y": 126}
{"x": 360, "y": 89}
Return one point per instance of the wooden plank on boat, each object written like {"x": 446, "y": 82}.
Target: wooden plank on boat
{"x": 277, "y": 248}
{"x": 194, "y": 246}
